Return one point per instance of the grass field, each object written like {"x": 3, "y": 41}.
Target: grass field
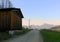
{"x": 50, "y": 36}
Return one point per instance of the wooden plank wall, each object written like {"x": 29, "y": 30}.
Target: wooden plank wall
{"x": 9, "y": 20}
{"x": 16, "y": 21}
{"x": 4, "y": 20}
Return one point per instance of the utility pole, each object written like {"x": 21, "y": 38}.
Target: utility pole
{"x": 29, "y": 23}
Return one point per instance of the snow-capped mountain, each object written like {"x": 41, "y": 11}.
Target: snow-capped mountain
{"x": 44, "y": 26}
{"x": 47, "y": 26}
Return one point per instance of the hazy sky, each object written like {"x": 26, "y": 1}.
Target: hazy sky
{"x": 39, "y": 11}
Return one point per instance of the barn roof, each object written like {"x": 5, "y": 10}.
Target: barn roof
{"x": 11, "y": 9}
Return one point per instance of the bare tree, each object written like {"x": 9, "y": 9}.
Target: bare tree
{"x": 5, "y": 4}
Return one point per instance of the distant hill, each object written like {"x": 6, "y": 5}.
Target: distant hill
{"x": 47, "y": 26}
{"x": 56, "y": 28}
{"x": 44, "y": 26}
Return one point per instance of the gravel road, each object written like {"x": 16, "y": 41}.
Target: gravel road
{"x": 32, "y": 36}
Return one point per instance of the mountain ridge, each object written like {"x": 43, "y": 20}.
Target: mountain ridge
{"x": 44, "y": 26}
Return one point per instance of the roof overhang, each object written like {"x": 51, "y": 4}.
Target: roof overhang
{"x": 19, "y": 13}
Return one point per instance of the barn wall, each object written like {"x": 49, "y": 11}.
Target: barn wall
{"x": 9, "y": 20}
{"x": 16, "y": 21}
{"x": 4, "y": 20}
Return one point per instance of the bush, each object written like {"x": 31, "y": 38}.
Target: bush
{"x": 22, "y": 32}
{"x": 4, "y": 36}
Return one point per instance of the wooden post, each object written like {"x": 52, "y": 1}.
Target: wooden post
{"x": 29, "y": 23}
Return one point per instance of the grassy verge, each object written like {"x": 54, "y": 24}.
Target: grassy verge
{"x": 6, "y": 35}
{"x": 50, "y": 36}
{"x": 24, "y": 31}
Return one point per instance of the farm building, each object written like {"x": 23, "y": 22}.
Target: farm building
{"x": 10, "y": 19}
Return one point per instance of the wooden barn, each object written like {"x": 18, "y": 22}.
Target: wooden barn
{"x": 10, "y": 19}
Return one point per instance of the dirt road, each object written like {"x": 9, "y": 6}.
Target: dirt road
{"x": 32, "y": 36}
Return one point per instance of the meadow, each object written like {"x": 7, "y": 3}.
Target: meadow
{"x": 50, "y": 36}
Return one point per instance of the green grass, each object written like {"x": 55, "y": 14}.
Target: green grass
{"x": 24, "y": 31}
{"x": 4, "y": 36}
{"x": 50, "y": 36}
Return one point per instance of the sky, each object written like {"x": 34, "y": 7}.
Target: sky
{"x": 39, "y": 11}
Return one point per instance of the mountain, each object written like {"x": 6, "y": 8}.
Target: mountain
{"x": 56, "y": 27}
{"x": 47, "y": 26}
{"x": 44, "y": 26}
